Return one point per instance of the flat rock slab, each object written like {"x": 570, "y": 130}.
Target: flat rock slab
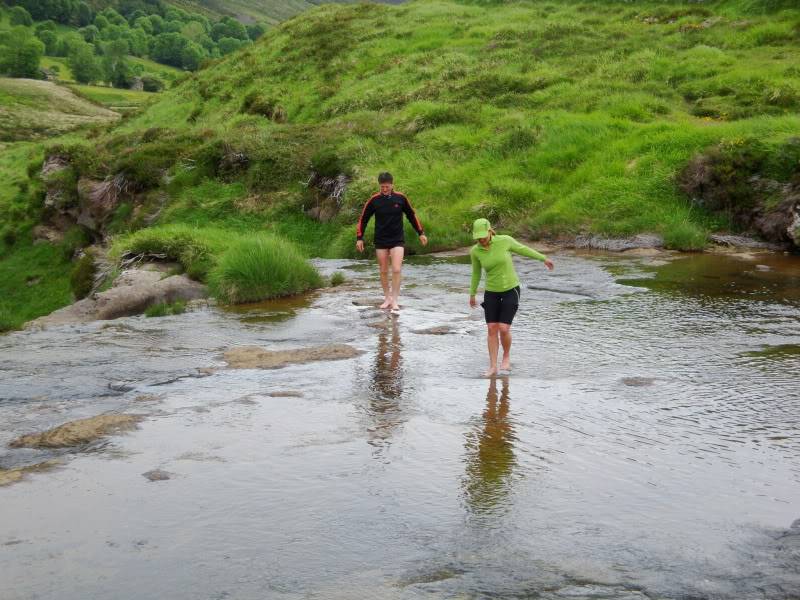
{"x": 77, "y": 433}
{"x": 595, "y": 242}
{"x": 254, "y": 357}
{"x": 133, "y": 292}
{"x": 743, "y": 241}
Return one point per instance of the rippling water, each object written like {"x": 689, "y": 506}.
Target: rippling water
{"x": 646, "y": 445}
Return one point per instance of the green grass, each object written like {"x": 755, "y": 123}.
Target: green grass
{"x": 35, "y": 281}
{"x": 31, "y": 109}
{"x": 64, "y": 72}
{"x": 260, "y": 267}
{"x": 165, "y": 309}
{"x": 113, "y": 98}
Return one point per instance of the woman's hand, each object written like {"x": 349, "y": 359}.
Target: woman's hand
{"x": 360, "y": 245}
{"x": 473, "y": 303}
{"x": 423, "y": 239}
{"x": 549, "y": 264}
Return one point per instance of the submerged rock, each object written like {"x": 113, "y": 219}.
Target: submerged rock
{"x": 17, "y": 474}
{"x": 254, "y": 357}
{"x": 438, "y": 330}
{"x": 157, "y": 475}
{"x": 77, "y": 433}
{"x": 285, "y": 394}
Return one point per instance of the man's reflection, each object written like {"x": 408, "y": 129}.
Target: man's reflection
{"x": 386, "y": 386}
{"x": 490, "y": 453}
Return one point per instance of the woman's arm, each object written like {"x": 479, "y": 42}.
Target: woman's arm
{"x": 476, "y": 274}
{"x": 523, "y": 250}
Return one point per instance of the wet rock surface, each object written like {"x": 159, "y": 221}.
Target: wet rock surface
{"x": 254, "y": 357}
{"x": 132, "y": 293}
{"x": 17, "y": 474}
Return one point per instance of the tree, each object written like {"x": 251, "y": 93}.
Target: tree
{"x": 151, "y": 83}
{"x": 19, "y": 16}
{"x": 50, "y": 41}
{"x": 256, "y": 31}
{"x": 227, "y": 45}
{"x": 83, "y": 14}
{"x": 167, "y": 48}
{"x": 90, "y": 33}
{"x": 20, "y": 53}
{"x": 228, "y": 27}
{"x": 83, "y": 63}
{"x": 67, "y": 42}
{"x": 191, "y": 56}
{"x": 101, "y": 22}
{"x": 137, "y": 41}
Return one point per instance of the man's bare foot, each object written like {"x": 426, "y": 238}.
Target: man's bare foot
{"x": 491, "y": 372}
{"x": 386, "y": 303}
{"x": 506, "y": 364}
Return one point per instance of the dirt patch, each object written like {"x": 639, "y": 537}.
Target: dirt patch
{"x": 11, "y": 476}
{"x": 76, "y": 433}
{"x": 253, "y": 357}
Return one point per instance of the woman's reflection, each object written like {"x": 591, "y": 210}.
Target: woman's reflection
{"x": 490, "y": 454}
{"x": 386, "y": 386}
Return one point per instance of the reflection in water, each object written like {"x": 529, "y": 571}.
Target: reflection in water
{"x": 490, "y": 454}
{"x": 386, "y": 387}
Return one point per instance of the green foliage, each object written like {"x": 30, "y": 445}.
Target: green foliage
{"x": 337, "y": 278}
{"x": 165, "y": 309}
{"x": 19, "y": 16}
{"x": 260, "y": 267}
{"x": 83, "y": 63}
{"x": 20, "y": 53}
{"x": 82, "y": 277}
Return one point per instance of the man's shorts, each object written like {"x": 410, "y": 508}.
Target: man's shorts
{"x": 381, "y": 245}
{"x": 500, "y": 307}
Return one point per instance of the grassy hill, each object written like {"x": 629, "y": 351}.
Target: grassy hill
{"x": 31, "y": 109}
{"x": 551, "y": 118}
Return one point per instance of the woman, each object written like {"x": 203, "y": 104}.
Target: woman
{"x": 492, "y": 254}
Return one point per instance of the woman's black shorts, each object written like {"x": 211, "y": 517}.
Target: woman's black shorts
{"x": 500, "y": 307}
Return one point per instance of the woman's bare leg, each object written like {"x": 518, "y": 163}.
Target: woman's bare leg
{"x": 494, "y": 345}
{"x": 505, "y": 340}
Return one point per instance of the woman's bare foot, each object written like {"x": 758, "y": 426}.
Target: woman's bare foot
{"x": 395, "y": 306}
{"x": 506, "y": 364}
{"x": 386, "y": 303}
{"x": 491, "y": 372}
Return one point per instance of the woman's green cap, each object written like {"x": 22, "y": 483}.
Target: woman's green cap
{"x": 480, "y": 228}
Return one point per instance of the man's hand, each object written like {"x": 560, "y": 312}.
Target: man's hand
{"x": 423, "y": 239}
{"x": 360, "y": 245}
{"x": 549, "y": 264}
{"x": 473, "y": 303}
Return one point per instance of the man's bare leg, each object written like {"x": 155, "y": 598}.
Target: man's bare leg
{"x": 383, "y": 267}
{"x": 494, "y": 345}
{"x": 505, "y": 340}
{"x": 397, "y": 254}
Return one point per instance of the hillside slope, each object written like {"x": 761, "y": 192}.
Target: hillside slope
{"x": 32, "y": 109}
{"x": 551, "y": 119}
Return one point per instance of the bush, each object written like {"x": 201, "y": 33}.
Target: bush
{"x": 261, "y": 267}
{"x": 81, "y": 279}
{"x": 337, "y": 278}
{"x": 685, "y": 235}
{"x": 151, "y": 83}
{"x": 164, "y": 309}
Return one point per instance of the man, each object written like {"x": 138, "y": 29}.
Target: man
{"x": 388, "y": 206}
